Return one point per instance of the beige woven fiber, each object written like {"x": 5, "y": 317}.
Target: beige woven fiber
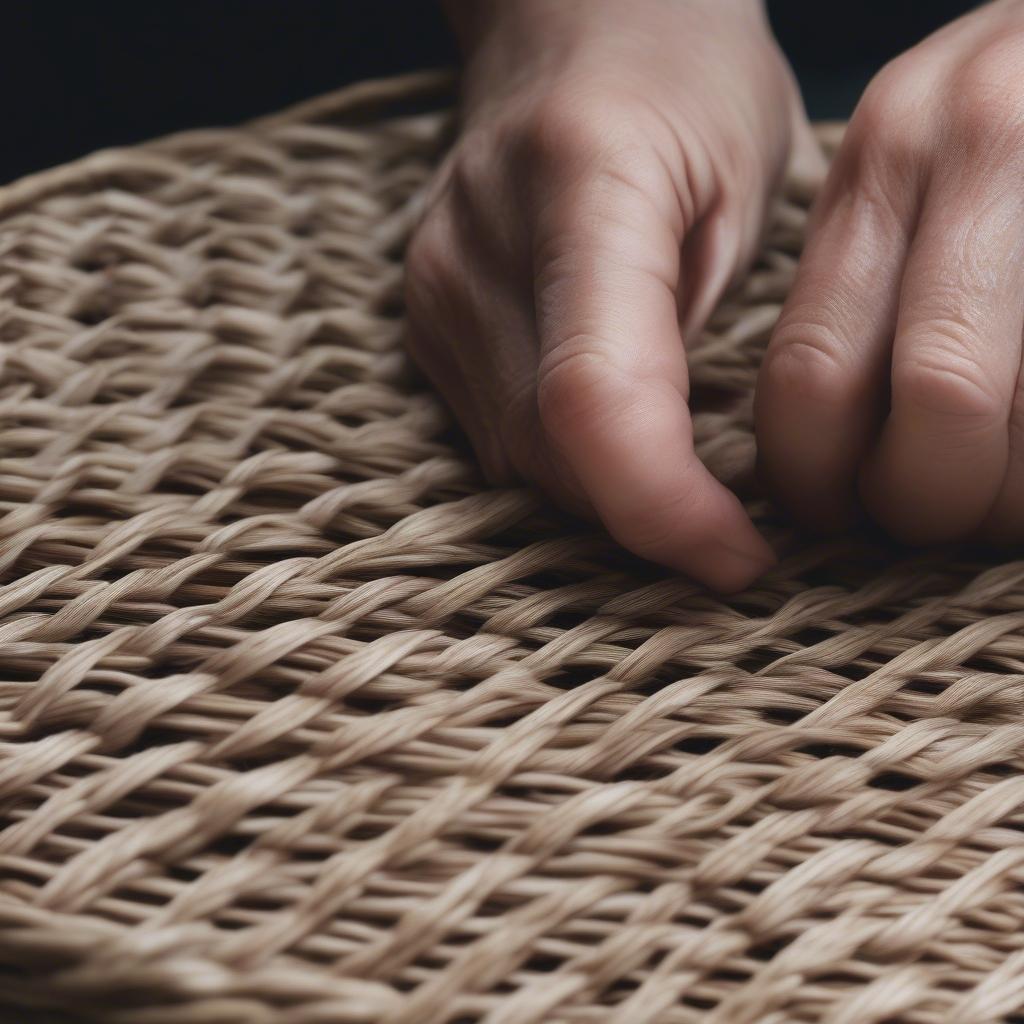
{"x": 302, "y": 724}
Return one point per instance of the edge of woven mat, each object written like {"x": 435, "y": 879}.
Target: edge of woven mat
{"x": 366, "y": 96}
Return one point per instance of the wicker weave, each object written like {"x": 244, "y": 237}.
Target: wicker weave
{"x": 301, "y": 724}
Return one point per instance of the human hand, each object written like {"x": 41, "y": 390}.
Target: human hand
{"x": 894, "y": 370}
{"x": 610, "y": 180}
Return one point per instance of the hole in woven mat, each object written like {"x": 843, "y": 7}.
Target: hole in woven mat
{"x": 188, "y": 485}
{"x": 822, "y": 750}
{"x": 366, "y": 831}
{"x": 570, "y": 678}
{"x": 12, "y": 672}
{"x": 747, "y": 885}
{"x": 925, "y": 686}
{"x": 491, "y": 908}
{"x": 15, "y": 877}
{"x": 231, "y": 844}
{"x": 992, "y": 663}
{"x": 811, "y": 636}
{"x": 699, "y": 744}
{"x": 767, "y": 950}
{"x": 74, "y": 507}
{"x": 895, "y": 781}
{"x": 400, "y": 984}
{"x": 482, "y": 843}
{"x": 566, "y": 619}
{"x": 697, "y": 1003}
{"x": 644, "y": 771}
{"x": 91, "y": 316}
{"x": 504, "y": 721}
{"x": 368, "y": 705}
{"x": 391, "y": 306}
{"x": 601, "y": 828}
{"x": 350, "y": 420}
{"x": 782, "y": 716}
{"x": 93, "y": 262}
{"x": 729, "y": 977}
{"x": 230, "y": 923}
{"x": 618, "y": 991}
{"x": 543, "y": 963}
{"x": 753, "y": 661}
{"x": 163, "y": 735}
{"x": 113, "y": 396}
{"x": 181, "y": 873}
{"x": 133, "y": 896}
{"x": 643, "y": 885}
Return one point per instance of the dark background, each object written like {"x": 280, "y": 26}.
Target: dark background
{"x": 78, "y": 76}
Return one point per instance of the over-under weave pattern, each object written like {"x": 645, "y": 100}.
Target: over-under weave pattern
{"x": 302, "y": 724}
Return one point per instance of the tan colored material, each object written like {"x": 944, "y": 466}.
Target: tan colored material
{"x": 300, "y": 724}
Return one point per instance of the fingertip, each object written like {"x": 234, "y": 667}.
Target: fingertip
{"x": 688, "y": 521}
{"x": 736, "y": 568}
{"x": 732, "y": 554}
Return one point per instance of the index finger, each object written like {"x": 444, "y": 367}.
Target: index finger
{"x": 613, "y": 388}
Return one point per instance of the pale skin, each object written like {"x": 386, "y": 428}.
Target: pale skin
{"x": 612, "y": 176}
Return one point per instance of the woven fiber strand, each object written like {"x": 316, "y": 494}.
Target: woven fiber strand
{"x": 301, "y": 724}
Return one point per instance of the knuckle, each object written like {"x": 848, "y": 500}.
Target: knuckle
{"x": 473, "y": 164}
{"x": 983, "y": 109}
{"x": 575, "y": 385}
{"x": 949, "y": 385}
{"x": 429, "y": 272}
{"x": 803, "y": 363}
{"x": 889, "y": 124}
{"x": 893, "y": 95}
{"x": 570, "y": 125}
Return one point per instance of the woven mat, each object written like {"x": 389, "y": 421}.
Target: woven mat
{"x": 301, "y": 724}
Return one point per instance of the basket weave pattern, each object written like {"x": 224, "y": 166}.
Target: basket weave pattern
{"x": 301, "y": 724}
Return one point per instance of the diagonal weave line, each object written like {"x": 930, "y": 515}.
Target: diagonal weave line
{"x": 301, "y": 723}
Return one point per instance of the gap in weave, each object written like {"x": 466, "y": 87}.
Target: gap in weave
{"x": 893, "y": 780}
{"x": 699, "y": 745}
{"x": 926, "y": 687}
{"x": 755, "y": 661}
{"x": 766, "y": 950}
{"x": 229, "y": 922}
{"x": 833, "y": 749}
{"x": 781, "y": 715}
{"x": 95, "y": 312}
{"x": 697, "y": 1002}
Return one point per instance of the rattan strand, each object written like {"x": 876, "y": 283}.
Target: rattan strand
{"x": 301, "y": 724}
